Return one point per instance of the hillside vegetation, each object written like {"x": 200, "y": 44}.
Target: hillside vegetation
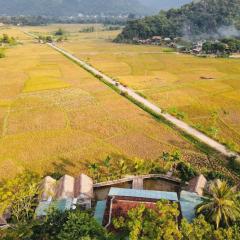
{"x": 206, "y": 17}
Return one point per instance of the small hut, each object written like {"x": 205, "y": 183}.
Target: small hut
{"x": 48, "y": 188}
{"x": 83, "y": 190}
{"x": 197, "y": 185}
{"x": 65, "y": 188}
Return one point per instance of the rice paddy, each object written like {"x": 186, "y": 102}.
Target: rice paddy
{"x": 202, "y": 91}
{"x": 56, "y": 116}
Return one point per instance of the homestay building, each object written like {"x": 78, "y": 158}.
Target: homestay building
{"x": 65, "y": 194}
{"x": 121, "y": 200}
{"x": 119, "y": 196}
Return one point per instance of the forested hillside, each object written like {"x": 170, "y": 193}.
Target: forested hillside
{"x": 155, "y": 5}
{"x": 203, "y": 18}
{"x": 69, "y": 7}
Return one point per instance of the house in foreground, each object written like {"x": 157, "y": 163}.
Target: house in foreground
{"x": 121, "y": 200}
{"x": 65, "y": 194}
{"x": 70, "y": 192}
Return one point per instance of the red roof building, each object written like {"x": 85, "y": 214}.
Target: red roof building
{"x": 120, "y": 201}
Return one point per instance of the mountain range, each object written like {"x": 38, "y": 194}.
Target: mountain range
{"x": 74, "y": 7}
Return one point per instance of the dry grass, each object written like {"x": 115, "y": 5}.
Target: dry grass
{"x": 56, "y": 116}
{"x": 205, "y": 91}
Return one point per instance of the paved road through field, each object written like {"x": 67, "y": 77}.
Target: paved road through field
{"x": 178, "y": 123}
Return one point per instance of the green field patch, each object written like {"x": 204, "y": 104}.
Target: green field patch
{"x": 46, "y": 71}
{"x": 5, "y": 102}
{"x": 41, "y": 83}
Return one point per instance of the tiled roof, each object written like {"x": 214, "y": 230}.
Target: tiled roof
{"x": 65, "y": 187}
{"x": 147, "y": 194}
{"x": 48, "y": 188}
{"x": 83, "y": 186}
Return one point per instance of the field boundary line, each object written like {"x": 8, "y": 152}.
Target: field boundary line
{"x": 5, "y": 122}
{"x": 146, "y": 105}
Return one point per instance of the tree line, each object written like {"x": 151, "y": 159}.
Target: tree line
{"x": 224, "y": 46}
{"x": 5, "y": 39}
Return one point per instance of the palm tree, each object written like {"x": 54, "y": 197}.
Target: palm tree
{"x": 221, "y": 205}
{"x": 107, "y": 162}
{"x": 107, "y": 165}
{"x": 122, "y": 168}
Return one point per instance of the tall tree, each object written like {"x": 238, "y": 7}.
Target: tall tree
{"x": 221, "y": 205}
{"x": 81, "y": 225}
{"x": 18, "y": 195}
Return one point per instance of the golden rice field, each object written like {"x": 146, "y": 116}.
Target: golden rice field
{"x": 54, "y": 115}
{"x": 205, "y": 92}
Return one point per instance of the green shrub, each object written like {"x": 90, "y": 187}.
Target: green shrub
{"x": 234, "y": 164}
{"x": 2, "y": 54}
{"x": 212, "y": 175}
{"x": 59, "y": 32}
{"x": 186, "y": 171}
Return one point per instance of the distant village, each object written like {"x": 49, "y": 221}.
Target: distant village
{"x": 223, "y": 47}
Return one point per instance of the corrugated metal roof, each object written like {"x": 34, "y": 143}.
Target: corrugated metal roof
{"x": 42, "y": 209}
{"x": 61, "y": 205}
{"x": 188, "y": 203}
{"x": 99, "y": 211}
{"x": 172, "y": 196}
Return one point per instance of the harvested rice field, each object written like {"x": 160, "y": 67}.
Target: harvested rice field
{"x": 55, "y": 115}
{"x": 204, "y": 92}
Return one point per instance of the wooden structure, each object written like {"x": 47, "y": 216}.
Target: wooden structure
{"x": 137, "y": 183}
{"x": 132, "y": 178}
